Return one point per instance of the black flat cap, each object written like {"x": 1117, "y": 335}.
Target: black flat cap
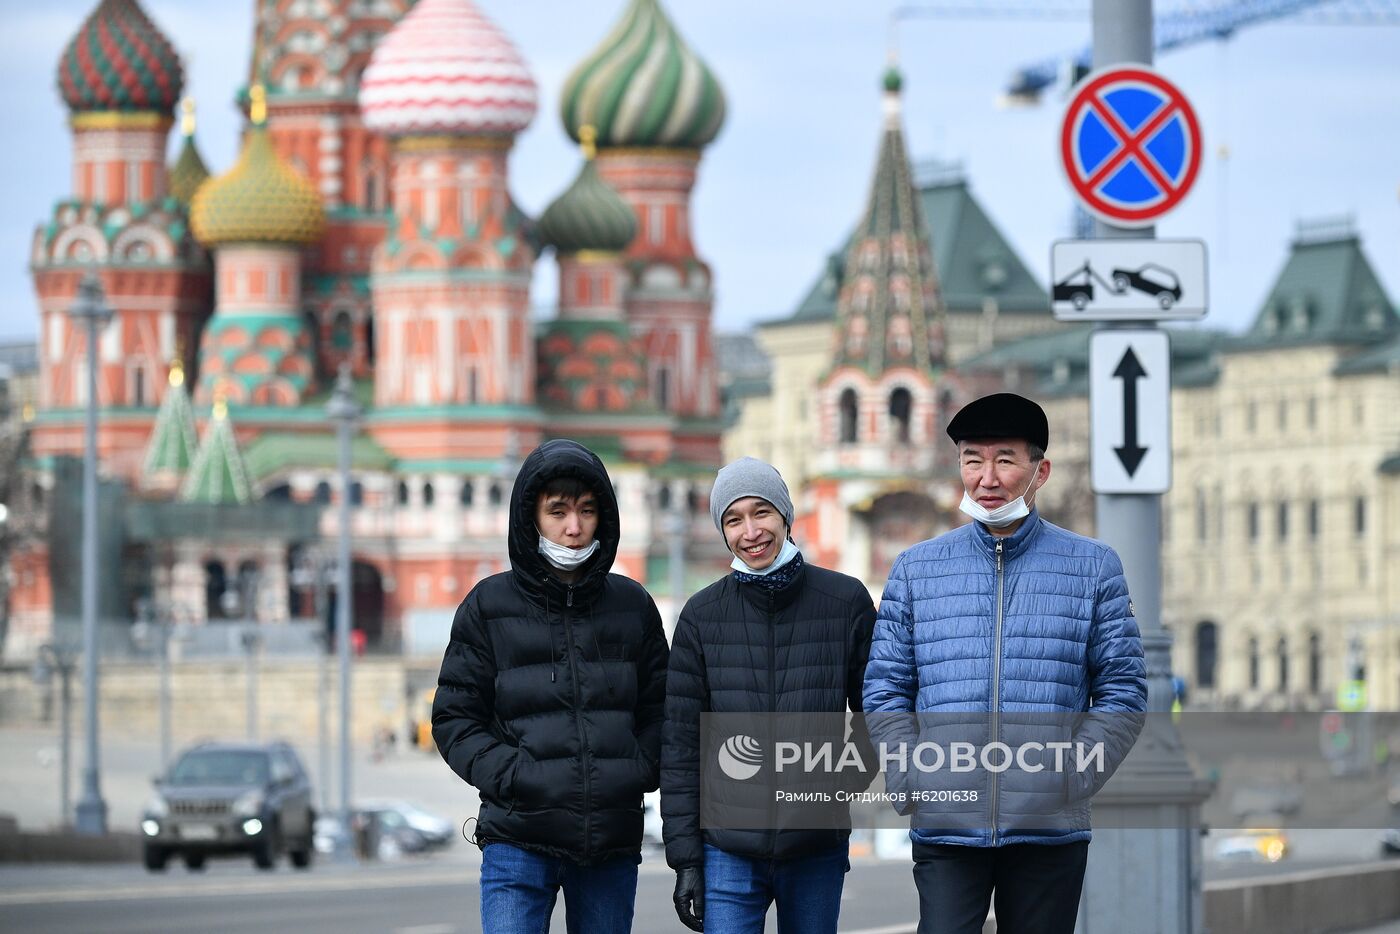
{"x": 1001, "y": 415}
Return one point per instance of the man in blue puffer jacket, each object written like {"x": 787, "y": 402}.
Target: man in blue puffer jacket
{"x": 1010, "y": 618}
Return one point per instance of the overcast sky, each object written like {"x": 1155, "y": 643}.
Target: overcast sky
{"x": 1310, "y": 115}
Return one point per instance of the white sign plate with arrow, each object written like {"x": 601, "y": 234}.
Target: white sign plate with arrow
{"x": 1128, "y": 280}
{"x": 1130, "y": 444}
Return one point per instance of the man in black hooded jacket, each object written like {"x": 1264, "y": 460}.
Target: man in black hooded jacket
{"x": 550, "y": 702}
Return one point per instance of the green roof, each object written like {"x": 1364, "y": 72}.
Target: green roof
{"x": 277, "y": 450}
{"x": 974, "y": 261}
{"x": 218, "y": 474}
{"x": 1380, "y": 359}
{"x": 173, "y": 443}
{"x": 1059, "y": 360}
{"x": 1327, "y": 292}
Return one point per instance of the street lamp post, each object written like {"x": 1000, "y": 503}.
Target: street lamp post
{"x": 91, "y": 310}
{"x": 344, "y": 411}
{"x": 55, "y": 658}
{"x": 311, "y": 571}
{"x": 251, "y": 641}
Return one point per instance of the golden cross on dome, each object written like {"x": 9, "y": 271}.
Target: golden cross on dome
{"x": 187, "y": 116}
{"x": 257, "y": 108}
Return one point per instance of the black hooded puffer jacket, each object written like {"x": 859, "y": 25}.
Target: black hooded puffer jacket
{"x": 550, "y": 699}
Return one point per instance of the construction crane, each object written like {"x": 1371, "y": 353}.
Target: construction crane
{"x": 1173, "y": 28}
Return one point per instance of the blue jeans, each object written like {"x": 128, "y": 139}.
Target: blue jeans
{"x": 518, "y": 890}
{"x": 738, "y": 891}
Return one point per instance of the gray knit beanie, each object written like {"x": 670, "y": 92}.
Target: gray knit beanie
{"x": 749, "y": 476}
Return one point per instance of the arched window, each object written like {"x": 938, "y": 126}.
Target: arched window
{"x": 357, "y": 493}
{"x": 464, "y": 496}
{"x": 1253, "y": 663}
{"x": 663, "y": 497}
{"x": 342, "y": 333}
{"x": 1207, "y": 635}
{"x": 1314, "y": 664}
{"x": 901, "y": 407}
{"x": 215, "y": 582}
{"x": 403, "y": 493}
{"x": 848, "y": 416}
{"x": 323, "y": 493}
{"x": 1282, "y": 664}
{"x": 663, "y": 388}
{"x": 428, "y": 493}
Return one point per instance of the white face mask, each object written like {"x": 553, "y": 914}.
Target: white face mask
{"x": 788, "y": 552}
{"x": 1005, "y": 514}
{"x": 563, "y": 557}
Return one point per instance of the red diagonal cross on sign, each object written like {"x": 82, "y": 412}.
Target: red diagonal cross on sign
{"x": 1132, "y": 144}
{"x": 1165, "y": 188}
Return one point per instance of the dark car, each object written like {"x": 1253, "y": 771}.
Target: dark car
{"x": 1158, "y": 281}
{"x": 229, "y": 799}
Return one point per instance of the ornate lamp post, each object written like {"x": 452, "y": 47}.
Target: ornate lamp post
{"x": 91, "y": 310}
{"x": 344, "y": 411}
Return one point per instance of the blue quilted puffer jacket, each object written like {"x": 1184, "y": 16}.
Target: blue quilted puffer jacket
{"x": 1038, "y": 624}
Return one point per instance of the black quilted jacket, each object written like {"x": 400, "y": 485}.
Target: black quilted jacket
{"x": 740, "y": 648}
{"x": 550, "y": 696}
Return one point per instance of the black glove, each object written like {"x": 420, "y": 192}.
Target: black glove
{"x": 690, "y": 897}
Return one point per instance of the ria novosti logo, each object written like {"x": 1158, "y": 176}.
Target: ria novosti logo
{"x": 740, "y": 757}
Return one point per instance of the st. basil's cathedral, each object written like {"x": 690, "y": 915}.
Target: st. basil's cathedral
{"x": 367, "y": 236}
{"x": 367, "y": 231}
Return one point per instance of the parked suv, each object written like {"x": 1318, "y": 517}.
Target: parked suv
{"x": 222, "y": 799}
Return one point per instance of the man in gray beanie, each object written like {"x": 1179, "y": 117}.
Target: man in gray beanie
{"x": 777, "y": 634}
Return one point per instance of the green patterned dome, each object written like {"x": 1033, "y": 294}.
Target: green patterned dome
{"x": 260, "y": 200}
{"x": 189, "y": 170}
{"x": 120, "y": 61}
{"x": 643, "y": 86}
{"x": 590, "y": 215}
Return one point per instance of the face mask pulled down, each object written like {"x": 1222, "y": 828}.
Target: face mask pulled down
{"x": 565, "y": 558}
{"x": 785, "y": 556}
{"x": 1005, "y": 514}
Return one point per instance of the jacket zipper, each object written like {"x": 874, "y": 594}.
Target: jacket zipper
{"x": 578, "y": 721}
{"x": 996, "y": 687}
{"x": 772, "y": 708}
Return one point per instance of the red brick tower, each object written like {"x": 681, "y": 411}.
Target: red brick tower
{"x": 454, "y": 373}
{"x": 655, "y": 106}
{"x": 310, "y": 57}
{"x": 120, "y": 79}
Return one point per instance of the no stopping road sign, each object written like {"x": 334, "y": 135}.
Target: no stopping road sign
{"x": 1130, "y": 145}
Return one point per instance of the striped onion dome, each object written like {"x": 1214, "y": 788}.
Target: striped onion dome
{"x": 643, "y": 86}
{"x": 119, "y": 60}
{"x": 447, "y": 69}
{"x": 261, "y": 199}
{"x": 590, "y": 215}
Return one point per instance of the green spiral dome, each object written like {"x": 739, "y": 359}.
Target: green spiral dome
{"x": 643, "y": 86}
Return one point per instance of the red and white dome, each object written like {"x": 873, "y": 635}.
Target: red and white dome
{"x": 447, "y": 69}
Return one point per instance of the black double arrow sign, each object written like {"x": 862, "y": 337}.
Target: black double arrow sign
{"x": 1130, "y": 370}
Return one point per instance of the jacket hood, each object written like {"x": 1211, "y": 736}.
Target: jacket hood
{"x": 560, "y": 458}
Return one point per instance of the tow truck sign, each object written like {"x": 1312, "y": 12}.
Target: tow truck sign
{"x": 1128, "y": 280}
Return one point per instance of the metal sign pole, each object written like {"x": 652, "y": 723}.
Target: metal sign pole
{"x": 1130, "y": 868}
